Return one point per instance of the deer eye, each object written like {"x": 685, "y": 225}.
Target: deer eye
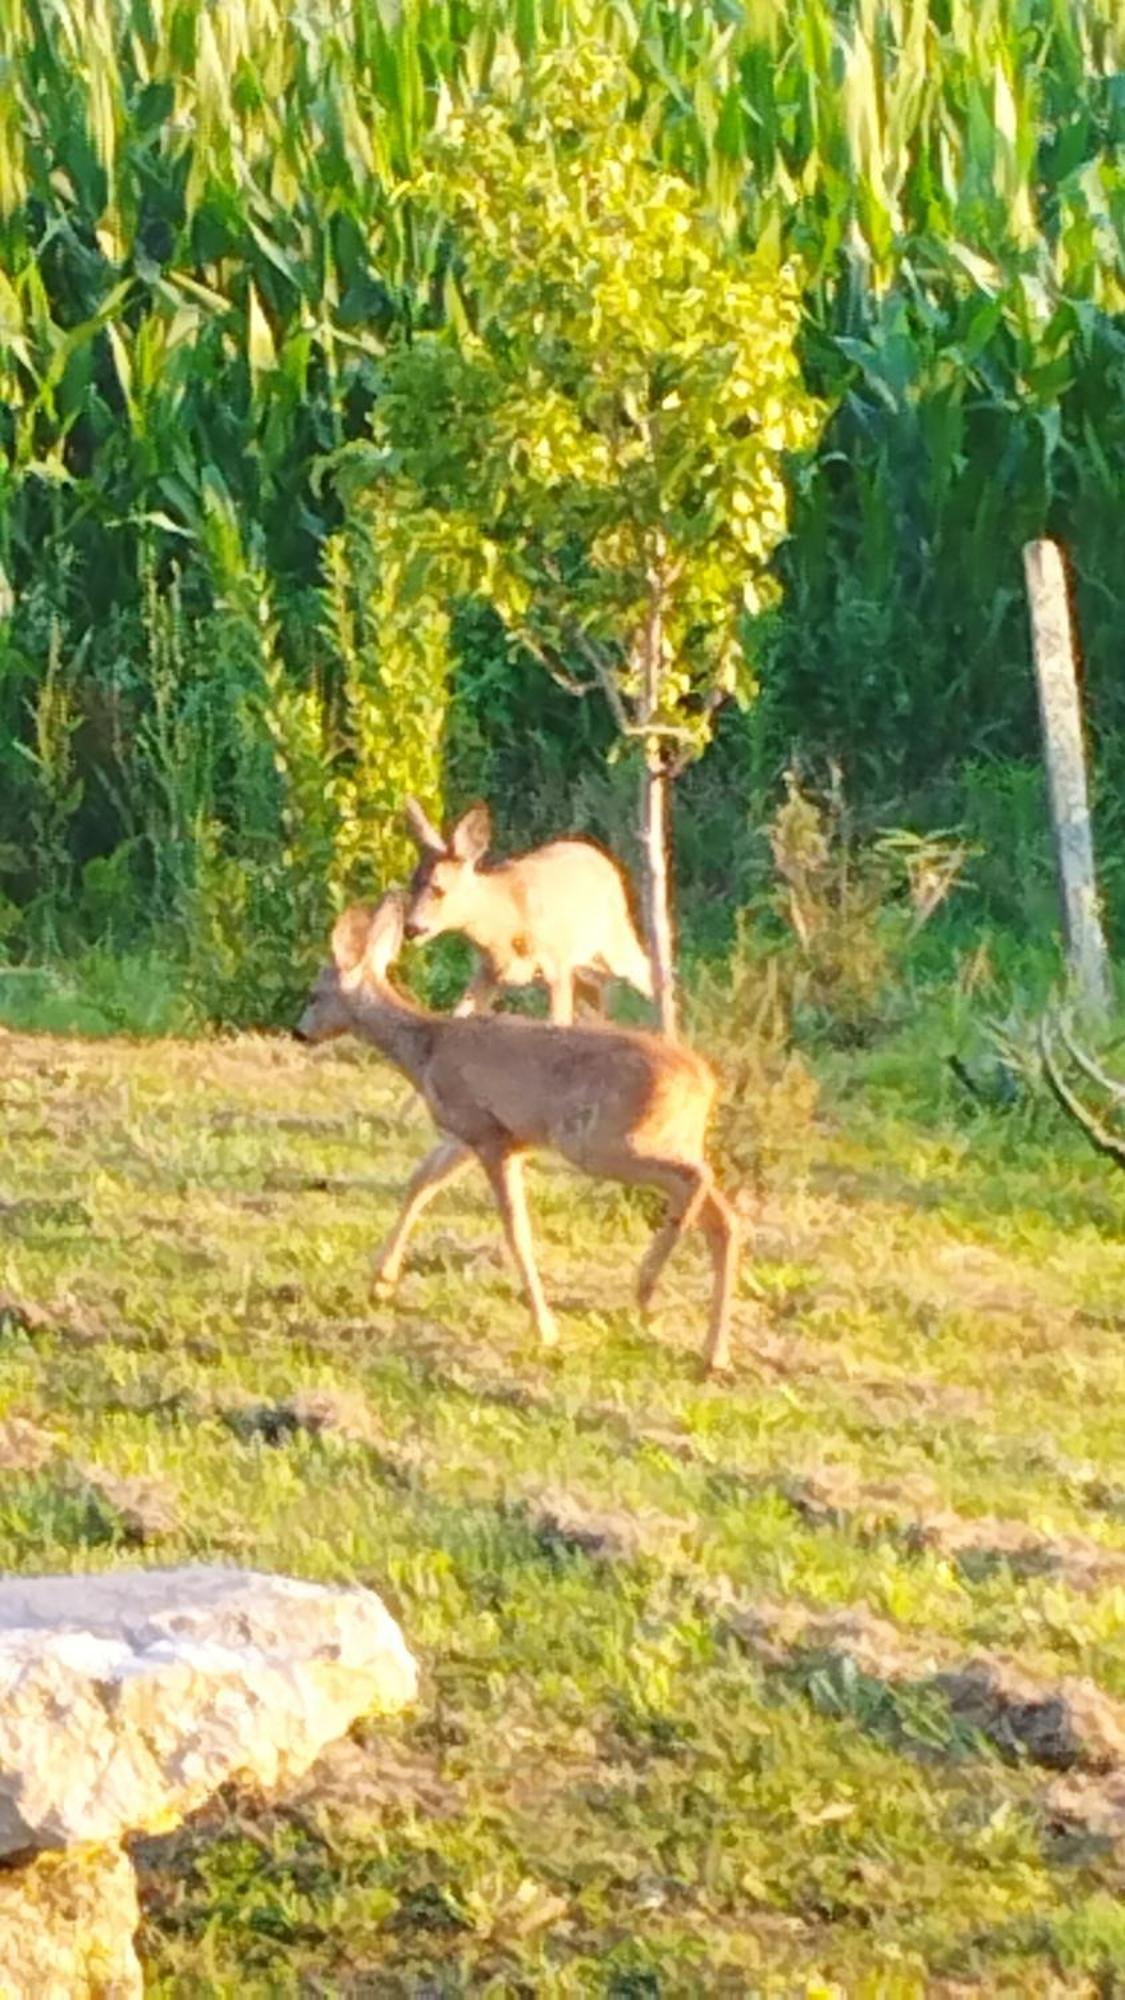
{"x": 436, "y": 893}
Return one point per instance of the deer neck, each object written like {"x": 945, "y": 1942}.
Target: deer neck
{"x": 399, "y": 1029}
{"x": 498, "y": 914}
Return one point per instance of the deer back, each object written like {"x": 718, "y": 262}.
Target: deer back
{"x": 561, "y": 906}
{"x": 591, "y": 1093}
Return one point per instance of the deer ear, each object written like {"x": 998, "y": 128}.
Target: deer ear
{"x": 471, "y": 835}
{"x": 350, "y": 935}
{"x": 422, "y": 829}
{"x": 385, "y": 933}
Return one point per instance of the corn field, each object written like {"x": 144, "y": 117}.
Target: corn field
{"x": 207, "y": 239}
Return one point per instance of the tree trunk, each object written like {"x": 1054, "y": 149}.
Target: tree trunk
{"x": 656, "y": 797}
{"x": 656, "y": 792}
{"x": 1061, "y": 718}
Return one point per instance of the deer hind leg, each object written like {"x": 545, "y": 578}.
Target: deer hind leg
{"x": 505, "y": 1173}
{"x": 719, "y": 1224}
{"x": 590, "y": 992}
{"x": 632, "y": 963}
{"x": 694, "y": 1199}
{"x": 688, "y": 1188}
{"x": 441, "y": 1165}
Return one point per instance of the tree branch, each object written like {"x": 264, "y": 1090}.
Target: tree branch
{"x": 558, "y": 674}
{"x": 609, "y": 687}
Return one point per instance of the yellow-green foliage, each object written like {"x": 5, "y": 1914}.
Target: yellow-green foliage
{"x": 394, "y": 687}
{"x": 601, "y": 425}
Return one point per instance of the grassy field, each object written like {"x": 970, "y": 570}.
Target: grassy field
{"x": 814, "y": 1683}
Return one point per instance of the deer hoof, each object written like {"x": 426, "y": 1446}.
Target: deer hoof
{"x": 721, "y": 1369}
{"x": 382, "y": 1288}
{"x": 548, "y": 1333}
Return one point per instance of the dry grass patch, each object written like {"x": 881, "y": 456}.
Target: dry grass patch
{"x": 1068, "y": 1724}
{"x": 563, "y": 1520}
{"x": 24, "y": 1444}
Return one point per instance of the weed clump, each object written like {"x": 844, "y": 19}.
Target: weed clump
{"x": 853, "y": 908}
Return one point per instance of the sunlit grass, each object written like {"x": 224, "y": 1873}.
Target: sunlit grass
{"x": 601, "y": 1789}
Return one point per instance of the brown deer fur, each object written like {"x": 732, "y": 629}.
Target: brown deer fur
{"x": 615, "y": 1102}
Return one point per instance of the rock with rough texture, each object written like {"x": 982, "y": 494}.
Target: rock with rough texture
{"x": 127, "y": 1699}
{"x": 66, "y": 1927}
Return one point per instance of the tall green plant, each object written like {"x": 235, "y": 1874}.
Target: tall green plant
{"x": 208, "y": 234}
{"x": 393, "y": 659}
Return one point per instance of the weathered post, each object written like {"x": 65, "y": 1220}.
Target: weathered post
{"x": 1061, "y": 720}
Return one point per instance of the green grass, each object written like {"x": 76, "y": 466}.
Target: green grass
{"x": 99, "y": 992}
{"x": 603, "y": 1789}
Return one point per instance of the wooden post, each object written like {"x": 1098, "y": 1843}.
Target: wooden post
{"x": 1061, "y": 720}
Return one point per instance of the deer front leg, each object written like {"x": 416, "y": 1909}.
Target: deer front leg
{"x": 441, "y": 1165}
{"x": 505, "y": 1173}
{"x": 560, "y": 989}
{"x": 479, "y": 993}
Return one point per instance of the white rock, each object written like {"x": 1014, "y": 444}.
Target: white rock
{"x": 127, "y": 1699}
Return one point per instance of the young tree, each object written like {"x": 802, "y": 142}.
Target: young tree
{"x": 593, "y": 437}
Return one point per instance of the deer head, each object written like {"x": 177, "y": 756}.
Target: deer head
{"x": 365, "y": 942}
{"x": 442, "y": 895}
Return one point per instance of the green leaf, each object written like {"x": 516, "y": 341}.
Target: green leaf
{"x": 259, "y": 340}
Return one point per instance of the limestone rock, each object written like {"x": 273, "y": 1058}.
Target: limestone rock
{"x": 127, "y": 1699}
{"x": 66, "y": 1927}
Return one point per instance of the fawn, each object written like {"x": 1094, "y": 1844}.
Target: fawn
{"x": 559, "y": 914}
{"x": 613, "y": 1101}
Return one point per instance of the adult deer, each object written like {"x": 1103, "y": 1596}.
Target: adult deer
{"x": 613, "y": 1101}
{"x": 559, "y": 914}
